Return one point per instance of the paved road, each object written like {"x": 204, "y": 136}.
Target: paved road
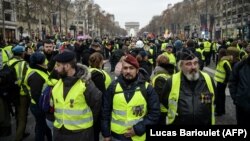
{"x": 227, "y": 119}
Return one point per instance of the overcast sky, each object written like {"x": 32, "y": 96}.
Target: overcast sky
{"x": 140, "y": 11}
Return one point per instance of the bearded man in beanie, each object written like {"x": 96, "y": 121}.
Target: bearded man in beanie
{"x": 73, "y": 110}
{"x": 189, "y": 94}
{"x": 129, "y": 104}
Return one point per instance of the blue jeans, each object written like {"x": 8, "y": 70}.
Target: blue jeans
{"x": 41, "y": 128}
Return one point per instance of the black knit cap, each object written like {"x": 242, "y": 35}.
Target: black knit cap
{"x": 186, "y": 54}
{"x": 65, "y": 57}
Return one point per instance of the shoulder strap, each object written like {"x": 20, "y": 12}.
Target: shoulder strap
{"x": 143, "y": 90}
{"x": 12, "y": 65}
{"x": 6, "y": 52}
{"x": 114, "y": 86}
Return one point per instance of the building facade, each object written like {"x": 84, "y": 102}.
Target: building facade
{"x": 8, "y": 26}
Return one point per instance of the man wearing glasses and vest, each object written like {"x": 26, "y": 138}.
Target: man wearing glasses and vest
{"x": 189, "y": 94}
{"x": 129, "y": 104}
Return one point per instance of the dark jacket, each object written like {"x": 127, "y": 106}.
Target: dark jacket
{"x": 99, "y": 79}
{"x": 36, "y": 81}
{"x": 86, "y": 54}
{"x": 146, "y": 65}
{"x": 153, "y": 106}
{"x": 190, "y": 109}
{"x": 239, "y": 84}
{"x": 116, "y": 56}
{"x": 50, "y": 58}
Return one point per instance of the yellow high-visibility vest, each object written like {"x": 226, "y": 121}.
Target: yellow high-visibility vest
{"x": 165, "y": 76}
{"x": 123, "y": 116}
{"x": 29, "y": 72}
{"x": 175, "y": 92}
{"x": 72, "y": 112}
{"x": 19, "y": 68}
{"x": 220, "y": 73}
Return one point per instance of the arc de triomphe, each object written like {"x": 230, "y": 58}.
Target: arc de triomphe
{"x": 132, "y": 28}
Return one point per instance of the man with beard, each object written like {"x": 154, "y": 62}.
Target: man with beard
{"x": 48, "y": 50}
{"x": 73, "y": 112}
{"x": 129, "y": 104}
{"x": 189, "y": 94}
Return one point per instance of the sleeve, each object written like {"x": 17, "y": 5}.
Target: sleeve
{"x": 106, "y": 110}
{"x": 36, "y": 85}
{"x": 153, "y": 114}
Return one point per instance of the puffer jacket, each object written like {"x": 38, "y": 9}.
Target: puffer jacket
{"x": 152, "y": 99}
{"x": 190, "y": 109}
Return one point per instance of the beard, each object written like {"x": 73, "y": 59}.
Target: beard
{"x": 48, "y": 52}
{"x": 128, "y": 76}
{"x": 193, "y": 75}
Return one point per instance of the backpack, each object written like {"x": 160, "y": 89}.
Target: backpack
{"x": 8, "y": 78}
{"x": 44, "y": 100}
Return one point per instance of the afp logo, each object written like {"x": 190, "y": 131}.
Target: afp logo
{"x": 234, "y": 133}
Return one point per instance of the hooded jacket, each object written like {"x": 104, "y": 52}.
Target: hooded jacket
{"x": 92, "y": 97}
{"x": 92, "y": 94}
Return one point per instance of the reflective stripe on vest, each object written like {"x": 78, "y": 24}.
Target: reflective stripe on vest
{"x": 165, "y": 76}
{"x": 29, "y": 72}
{"x": 123, "y": 113}
{"x": 175, "y": 92}
{"x": 71, "y": 112}
{"x": 220, "y": 73}
{"x": 107, "y": 78}
{"x": 207, "y": 46}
